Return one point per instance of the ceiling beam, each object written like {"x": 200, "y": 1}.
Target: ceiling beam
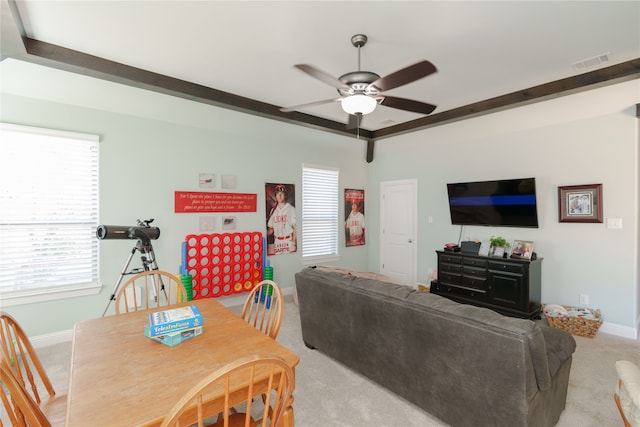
{"x": 605, "y": 76}
{"x": 11, "y": 42}
{"x": 77, "y": 62}
{"x": 61, "y": 58}
{"x": 370, "y": 145}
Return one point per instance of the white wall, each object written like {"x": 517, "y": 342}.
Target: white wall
{"x": 585, "y": 138}
{"x": 153, "y": 145}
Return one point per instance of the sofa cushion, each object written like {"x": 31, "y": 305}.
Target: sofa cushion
{"x": 386, "y": 289}
{"x": 367, "y": 282}
{"x": 355, "y": 273}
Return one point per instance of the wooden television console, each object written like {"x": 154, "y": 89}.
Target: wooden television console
{"x": 507, "y": 285}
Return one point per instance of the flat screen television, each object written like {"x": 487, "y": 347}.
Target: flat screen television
{"x": 501, "y": 203}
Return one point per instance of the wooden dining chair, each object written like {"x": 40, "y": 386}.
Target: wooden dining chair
{"x": 264, "y": 308}
{"x": 259, "y": 374}
{"x": 149, "y": 290}
{"x": 19, "y": 407}
{"x": 21, "y": 358}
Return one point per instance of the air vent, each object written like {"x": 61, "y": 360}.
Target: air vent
{"x": 591, "y": 62}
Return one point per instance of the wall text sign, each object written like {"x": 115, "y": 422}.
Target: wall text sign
{"x": 200, "y": 201}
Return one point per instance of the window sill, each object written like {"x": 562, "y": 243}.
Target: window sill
{"x": 13, "y": 298}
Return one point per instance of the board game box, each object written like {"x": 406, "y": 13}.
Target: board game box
{"x": 174, "y": 320}
{"x": 174, "y": 338}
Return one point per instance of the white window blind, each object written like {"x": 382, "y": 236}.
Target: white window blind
{"x": 48, "y": 210}
{"x": 320, "y": 200}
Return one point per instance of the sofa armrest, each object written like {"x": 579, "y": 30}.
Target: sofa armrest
{"x": 560, "y": 346}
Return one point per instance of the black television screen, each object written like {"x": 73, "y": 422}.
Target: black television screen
{"x": 505, "y": 203}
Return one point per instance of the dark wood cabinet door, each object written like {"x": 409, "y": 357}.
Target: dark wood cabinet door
{"x": 508, "y": 290}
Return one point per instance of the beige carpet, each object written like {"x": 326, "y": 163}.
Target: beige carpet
{"x": 328, "y": 394}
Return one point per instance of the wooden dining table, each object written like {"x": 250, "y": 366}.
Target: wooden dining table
{"x": 119, "y": 377}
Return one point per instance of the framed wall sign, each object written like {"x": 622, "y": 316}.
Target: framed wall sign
{"x": 580, "y": 203}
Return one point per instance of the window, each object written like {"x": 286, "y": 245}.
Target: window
{"x": 319, "y": 214}
{"x": 48, "y": 214}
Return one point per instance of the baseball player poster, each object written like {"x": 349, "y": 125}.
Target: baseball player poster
{"x": 281, "y": 218}
{"x": 354, "y": 217}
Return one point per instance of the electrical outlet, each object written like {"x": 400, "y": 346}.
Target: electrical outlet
{"x": 584, "y": 299}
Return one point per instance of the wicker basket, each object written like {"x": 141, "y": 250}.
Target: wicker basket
{"x": 583, "y": 322}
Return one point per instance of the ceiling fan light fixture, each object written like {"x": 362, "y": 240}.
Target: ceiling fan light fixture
{"x": 358, "y": 104}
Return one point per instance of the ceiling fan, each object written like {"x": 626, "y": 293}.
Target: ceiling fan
{"x": 361, "y": 91}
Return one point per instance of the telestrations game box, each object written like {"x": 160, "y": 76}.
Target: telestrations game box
{"x": 174, "y": 338}
{"x": 174, "y": 320}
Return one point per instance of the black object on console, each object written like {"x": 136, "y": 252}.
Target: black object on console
{"x": 470, "y": 247}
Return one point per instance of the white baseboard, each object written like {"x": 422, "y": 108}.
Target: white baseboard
{"x": 619, "y": 330}
{"x": 67, "y": 335}
{"x": 52, "y": 338}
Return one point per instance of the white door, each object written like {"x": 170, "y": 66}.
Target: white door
{"x": 398, "y": 230}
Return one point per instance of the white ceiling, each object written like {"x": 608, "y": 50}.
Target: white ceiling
{"x": 481, "y": 49}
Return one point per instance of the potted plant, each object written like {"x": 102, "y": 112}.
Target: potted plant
{"x": 499, "y": 242}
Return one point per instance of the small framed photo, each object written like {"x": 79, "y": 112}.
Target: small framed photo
{"x": 580, "y": 203}
{"x": 229, "y": 223}
{"x": 207, "y": 180}
{"x": 498, "y": 251}
{"x": 484, "y": 248}
{"x": 522, "y": 249}
{"x": 229, "y": 181}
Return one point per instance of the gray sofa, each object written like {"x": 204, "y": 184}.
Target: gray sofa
{"x": 466, "y": 365}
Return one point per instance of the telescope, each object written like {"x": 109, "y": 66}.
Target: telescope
{"x": 143, "y": 231}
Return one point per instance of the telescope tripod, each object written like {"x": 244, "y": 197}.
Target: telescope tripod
{"x": 148, "y": 264}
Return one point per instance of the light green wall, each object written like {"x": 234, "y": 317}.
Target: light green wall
{"x": 154, "y": 144}
{"x": 585, "y": 138}
{"x": 147, "y": 155}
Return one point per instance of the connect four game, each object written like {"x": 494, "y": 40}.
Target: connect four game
{"x": 224, "y": 264}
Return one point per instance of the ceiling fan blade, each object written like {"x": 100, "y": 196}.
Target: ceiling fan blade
{"x": 354, "y": 121}
{"x": 407, "y": 105}
{"x": 322, "y": 76}
{"x": 406, "y": 75}
{"x": 310, "y": 104}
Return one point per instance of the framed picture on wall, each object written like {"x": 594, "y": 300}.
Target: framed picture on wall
{"x": 207, "y": 180}
{"x": 354, "y": 227}
{"x": 580, "y": 203}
